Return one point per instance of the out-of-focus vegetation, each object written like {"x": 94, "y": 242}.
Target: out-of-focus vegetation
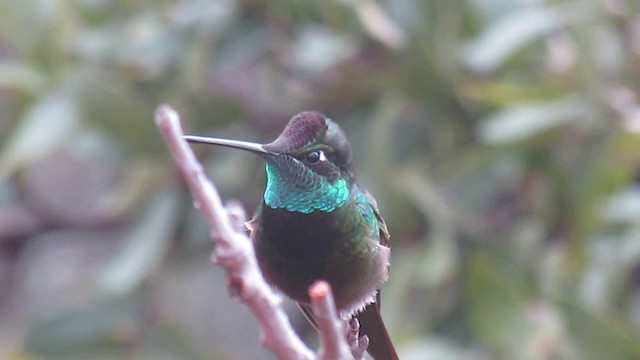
{"x": 500, "y": 137}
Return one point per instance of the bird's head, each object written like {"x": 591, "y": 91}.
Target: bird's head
{"x": 309, "y": 165}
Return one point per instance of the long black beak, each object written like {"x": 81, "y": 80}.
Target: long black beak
{"x": 236, "y": 144}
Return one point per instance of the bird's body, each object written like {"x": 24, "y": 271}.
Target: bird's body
{"x": 342, "y": 247}
{"x": 317, "y": 223}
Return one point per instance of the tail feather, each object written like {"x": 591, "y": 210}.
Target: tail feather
{"x": 371, "y": 324}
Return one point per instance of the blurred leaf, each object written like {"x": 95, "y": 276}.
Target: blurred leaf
{"x": 143, "y": 249}
{"x": 98, "y": 329}
{"x": 501, "y": 39}
{"x": 216, "y": 14}
{"x": 436, "y": 348}
{"x": 600, "y": 336}
{"x": 47, "y": 125}
{"x": 141, "y": 180}
{"x": 501, "y": 93}
{"x": 623, "y": 206}
{"x": 14, "y": 15}
{"x": 119, "y": 108}
{"x": 496, "y": 295}
{"x": 168, "y": 342}
{"x": 21, "y": 77}
{"x": 403, "y": 274}
{"x": 518, "y": 122}
{"x": 378, "y": 24}
{"x": 318, "y": 49}
{"x": 537, "y": 333}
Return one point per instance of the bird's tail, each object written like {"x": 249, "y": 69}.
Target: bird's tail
{"x": 371, "y": 324}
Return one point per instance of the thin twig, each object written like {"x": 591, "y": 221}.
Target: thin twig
{"x": 332, "y": 336}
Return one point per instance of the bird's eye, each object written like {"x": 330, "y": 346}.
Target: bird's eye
{"x": 313, "y": 157}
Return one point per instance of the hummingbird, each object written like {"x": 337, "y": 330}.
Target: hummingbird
{"x": 316, "y": 222}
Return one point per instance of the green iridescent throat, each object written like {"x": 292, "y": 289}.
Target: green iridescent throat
{"x": 284, "y": 192}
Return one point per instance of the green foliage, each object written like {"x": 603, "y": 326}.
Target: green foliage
{"x": 499, "y": 137}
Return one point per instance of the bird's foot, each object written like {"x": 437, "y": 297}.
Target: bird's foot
{"x": 357, "y": 344}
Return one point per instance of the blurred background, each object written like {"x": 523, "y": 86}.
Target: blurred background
{"x": 500, "y": 137}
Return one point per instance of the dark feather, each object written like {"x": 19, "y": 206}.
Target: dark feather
{"x": 371, "y": 324}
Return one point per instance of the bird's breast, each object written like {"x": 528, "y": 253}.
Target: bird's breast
{"x": 305, "y": 237}
{"x": 296, "y": 249}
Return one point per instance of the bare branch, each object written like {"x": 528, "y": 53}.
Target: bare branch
{"x": 332, "y": 335}
{"x": 233, "y": 250}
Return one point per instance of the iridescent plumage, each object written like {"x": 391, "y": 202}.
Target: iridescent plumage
{"x": 316, "y": 222}
{"x": 304, "y": 193}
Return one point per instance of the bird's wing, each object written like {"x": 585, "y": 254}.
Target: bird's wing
{"x": 370, "y": 217}
{"x": 371, "y": 324}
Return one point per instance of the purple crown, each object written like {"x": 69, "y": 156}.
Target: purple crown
{"x": 301, "y": 130}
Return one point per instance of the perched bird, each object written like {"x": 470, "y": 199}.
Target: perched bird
{"x": 317, "y": 223}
